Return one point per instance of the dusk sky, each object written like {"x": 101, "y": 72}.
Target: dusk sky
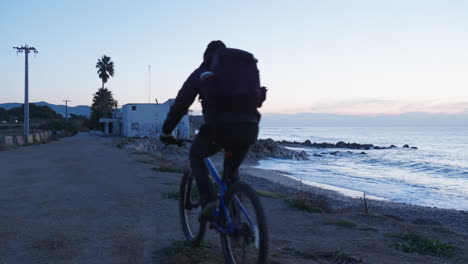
{"x": 351, "y": 57}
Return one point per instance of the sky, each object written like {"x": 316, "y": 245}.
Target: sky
{"x": 338, "y": 57}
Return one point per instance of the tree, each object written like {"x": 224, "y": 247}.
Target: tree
{"x": 35, "y": 111}
{"x": 103, "y": 101}
{"x": 3, "y": 114}
{"x": 105, "y": 69}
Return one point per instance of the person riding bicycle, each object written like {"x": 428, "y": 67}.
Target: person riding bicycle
{"x": 231, "y": 122}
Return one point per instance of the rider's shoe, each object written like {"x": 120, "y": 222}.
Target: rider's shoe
{"x": 207, "y": 211}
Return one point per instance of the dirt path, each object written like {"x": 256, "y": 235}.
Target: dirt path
{"x": 81, "y": 200}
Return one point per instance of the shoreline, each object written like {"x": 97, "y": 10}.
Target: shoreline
{"x": 281, "y": 182}
{"x": 340, "y": 230}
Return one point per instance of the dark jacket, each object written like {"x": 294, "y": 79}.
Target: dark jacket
{"x": 186, "y": 96}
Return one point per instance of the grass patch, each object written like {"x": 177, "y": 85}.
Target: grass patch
{"x": 297, "y": 253}
{"x": 172, "y": 195}
{"x": 394, "y": 217}
{"x": 145, "y": 161}
{"x": 335, "y": 257}
{"x": 411, "y": 242}
{"x": 165, "y": 169}
{"x": 270, "y": 194}
{"x": 442, "y": 229}
{"x": 303, "y": 204}
{"x": 170, "y": 183}
{"x": 342, "y": 223}
{"x": 186, "y": 252}
{"x": 338, "y": 257}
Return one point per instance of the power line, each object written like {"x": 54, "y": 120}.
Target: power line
{"x": 26, "y": 51}
{"x": 66, "y": 108}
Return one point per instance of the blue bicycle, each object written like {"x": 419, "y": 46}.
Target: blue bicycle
{"x": 239, "y": 218}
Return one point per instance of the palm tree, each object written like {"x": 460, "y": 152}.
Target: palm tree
{"x": 105, "y": 69}
{"x": 103, "y": 101}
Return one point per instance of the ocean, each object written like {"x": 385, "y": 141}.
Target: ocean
{"x": 435, "y": 174}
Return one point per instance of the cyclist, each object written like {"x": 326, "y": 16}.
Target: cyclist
{"x": 232, "y": 126}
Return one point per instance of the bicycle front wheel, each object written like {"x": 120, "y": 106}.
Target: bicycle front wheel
{"x": 249, "y": 241}
{"x": 189, "y": 209}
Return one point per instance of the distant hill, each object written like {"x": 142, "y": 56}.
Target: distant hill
{"x": 83, "y": 110}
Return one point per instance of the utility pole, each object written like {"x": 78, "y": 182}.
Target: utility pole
{"x": 66, "y": 108}
{"x": 149, "y": 84}
{"x": 26, "y": 51}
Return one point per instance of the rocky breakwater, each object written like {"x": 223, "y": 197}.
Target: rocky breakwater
{"x": 269, "y": 148}
{"x": 339, "y": 144}
{"x": 262, "y": 149}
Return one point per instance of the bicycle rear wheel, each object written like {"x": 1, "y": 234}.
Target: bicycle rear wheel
{"x": 189, "y": 209}
{"x": 249, "y": 242}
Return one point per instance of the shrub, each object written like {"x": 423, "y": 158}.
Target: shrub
{"x": 411, "y": 242}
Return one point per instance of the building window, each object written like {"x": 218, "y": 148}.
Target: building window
{"x": 135, "y": 126}
{"x": 133, "y": 107}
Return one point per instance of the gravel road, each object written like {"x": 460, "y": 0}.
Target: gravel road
{"x": 81, "y": 200}
{"x": 84, "y": 200}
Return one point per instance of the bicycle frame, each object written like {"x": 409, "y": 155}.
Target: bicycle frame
{"x": 222, "y": 206}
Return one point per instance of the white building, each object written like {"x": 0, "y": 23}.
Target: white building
{"x": 146, "y": 120}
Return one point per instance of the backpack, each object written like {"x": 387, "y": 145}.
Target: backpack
{"x": 232, "y": 83}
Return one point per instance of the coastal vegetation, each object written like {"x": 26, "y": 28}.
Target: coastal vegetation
{"x": 309, "y": 202}
{"x": 103, "y": 100}
{"x": 412, "y": 242}
{"x": 303, "y": 204}
{"x": 332, "y": 256}
{"x": 172, "y": 195}
{"x": 270, "y": 194}
{"x": 41, "y": 117}
{"x": 186, "y": 252}
{"x": 105, "y": 69}
{"x": 342, "y": 223}
{"x": 35, "y": 112}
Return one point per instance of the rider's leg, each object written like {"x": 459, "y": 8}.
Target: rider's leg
{"x": 201, "y": 148}
{"x": 232, "y": 160}
{"x": 236, "y": 140}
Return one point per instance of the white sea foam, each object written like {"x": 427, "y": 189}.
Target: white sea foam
{"x": 435, "y": 174}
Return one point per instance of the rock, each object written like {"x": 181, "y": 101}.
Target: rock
{"x": 363, "y": 152}
{"x": 414, "y": 147}
{"x": 323, "y": 145}
{"x": 317, "y": 155}
{"x": 269, "y": 148}
{"x": 406, "y": 146}
{"x": 341, "y": 144}
{"x": 367, "y": 146}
